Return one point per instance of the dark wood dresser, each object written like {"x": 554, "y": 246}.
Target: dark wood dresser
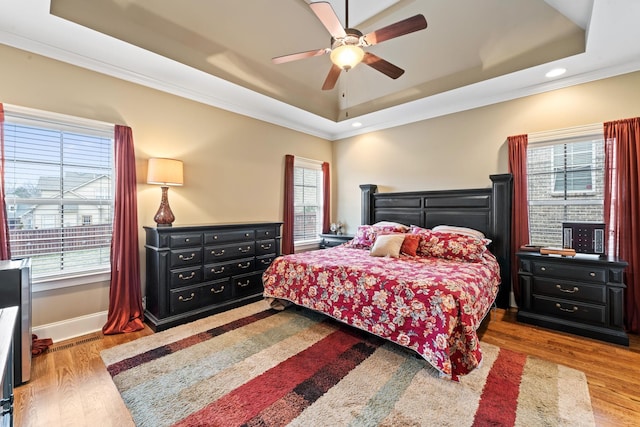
{"x": 583, "y": 294}
{"x": 330, "y": 240}
{"x": 195, "y": 271}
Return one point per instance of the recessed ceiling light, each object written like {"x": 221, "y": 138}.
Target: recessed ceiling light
{"x": 356, "y": 124}
{"x": 556, "y": 72}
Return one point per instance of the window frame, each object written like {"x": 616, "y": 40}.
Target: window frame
{"x": 316, "y": 165}
{"x": 587, "y": 133}
{"x": 27, "y": 116}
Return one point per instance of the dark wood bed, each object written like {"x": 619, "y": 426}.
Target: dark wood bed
{"x": 484, "y": 209}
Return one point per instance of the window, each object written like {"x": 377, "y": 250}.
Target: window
{"x": 59, "y": 192}
{"x": 565, "y": 181}
{"x": 307, "y": 183}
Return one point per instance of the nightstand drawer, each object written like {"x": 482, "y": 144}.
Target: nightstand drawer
{"x": 570, "y": 290}
{"x": 570, "y": 310}
{"x": 567, "y": 271}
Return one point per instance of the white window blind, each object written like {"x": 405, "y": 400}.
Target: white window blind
{"x": 59, "y": 192}
{"x": 307, "y": 182}
{"x": 565, "y": 182}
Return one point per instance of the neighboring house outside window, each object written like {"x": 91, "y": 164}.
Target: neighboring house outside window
{"x": 565, "y": 171}
{"x": 59, "y": 192}
{"x": 307, "y": 202}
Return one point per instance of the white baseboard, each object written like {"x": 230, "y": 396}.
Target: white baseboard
{"x": 71, "y": 328}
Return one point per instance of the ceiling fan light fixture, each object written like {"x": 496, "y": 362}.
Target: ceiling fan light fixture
{"x": 347, "y": 56}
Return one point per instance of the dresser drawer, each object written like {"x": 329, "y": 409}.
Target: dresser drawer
{"x": 570, "y": 290}
{"x": 564, "y": 271}
{"x": 570, "y": 310}
{"x": 228, "y": 236}
{"x": 266, "y": 233}
{"x": 226, "y": 269}
{"x": 247, "y": 284}
{"x": 264, "y": 247}
{"x": 185, "y": 257}
{"x": 262, "y": 262}
{"x": 184, "y": 299}
{"x": 185, "y": 240}
{"x": 182, "y": 277}
{"x": 214, "y": 254}
{"x": 216, "y": 292}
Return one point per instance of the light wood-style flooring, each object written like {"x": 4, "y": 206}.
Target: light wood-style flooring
{"x": 70, "y": 386}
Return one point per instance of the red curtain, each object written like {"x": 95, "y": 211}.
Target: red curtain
{"x": 125, "y": 295}
{"x": 5, "y": 252}
{"x": 288, "y": 217}
{"x": 326, "y": 195}
{"x": 622, "y": 206}
{"x": 520, "y": 211}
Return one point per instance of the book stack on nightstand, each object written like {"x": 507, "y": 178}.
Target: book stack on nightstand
{"x": 329, "y": 240}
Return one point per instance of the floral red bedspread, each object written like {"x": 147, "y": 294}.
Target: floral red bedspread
{"x": 430, "y": 305}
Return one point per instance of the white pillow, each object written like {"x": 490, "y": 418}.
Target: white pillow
{"x": 400, "y": 227}
{"x": 387, "y": 245}
{"x": 459, "y": 230}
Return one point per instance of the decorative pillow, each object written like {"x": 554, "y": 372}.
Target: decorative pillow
{"x": 387, "y": 245}
{"x": 459, "y": 230}
{"x": 426, "y": 240}
{"x": 364, "y": 237}
{"x": 410, "y": 244}
{"x": 394, "y": 227}
{"x": 456, "y": 247}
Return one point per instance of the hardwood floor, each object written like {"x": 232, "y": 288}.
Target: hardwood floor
{"x": 71, "y": 387}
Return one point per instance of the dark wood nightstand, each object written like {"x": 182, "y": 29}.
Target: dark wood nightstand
{"x": 582, "y": 294}
{"x": 329, "y": 240}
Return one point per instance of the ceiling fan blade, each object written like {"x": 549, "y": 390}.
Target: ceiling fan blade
{"x": 400, "y": 28}
{"x": 299, "y": 55}
{"x": 381, "y": 65}
{"x": 332, "y": 77}
{"x": 329, "y": 19}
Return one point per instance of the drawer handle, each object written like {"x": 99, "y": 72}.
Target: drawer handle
{"x": 246, "y": 265}
{"x": 543, "y": 268}
{"x": 180, "y": 298}
{"x": 266, "y": 246}
{"x": 214, "y": 271}
{"x": 184, "y": 258}
{"x": 191, "y": 276}
{"x": 218, "y": 253}
{"x": 592, "y": 274}
{"x": 215, "y": 237}
{"x": 568, "y": 310}
{"x": 245, "y": 250}
{"x": 243, "y": 285}
{"x": 568, "y": 291}
{"x": 265, "y": 261}
{"x": 187, "y": 240}
{"x": 247, "y": 234}
{"x": 217, "y": 291}
{"x": 266, "y": 233}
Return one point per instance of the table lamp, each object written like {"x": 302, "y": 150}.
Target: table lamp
{"x": 164, "y": 172}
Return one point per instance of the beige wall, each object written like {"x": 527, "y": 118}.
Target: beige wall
{"x": 233, "y": 164}
{"x": 461, "y": 150}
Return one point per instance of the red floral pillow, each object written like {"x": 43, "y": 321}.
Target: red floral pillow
{"x": 364, "y": 238}
{"x": 457, "y": 247}
{"x": 426, "y": 240}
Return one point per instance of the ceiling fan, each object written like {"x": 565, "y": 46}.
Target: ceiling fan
{"x": 347, "y": 44}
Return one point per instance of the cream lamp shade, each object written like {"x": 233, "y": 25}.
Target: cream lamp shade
{"x": 164, "y": 172}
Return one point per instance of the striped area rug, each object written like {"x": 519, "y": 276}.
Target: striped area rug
{"x": 254, "y": 366}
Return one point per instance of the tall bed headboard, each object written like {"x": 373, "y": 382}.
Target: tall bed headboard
{"x": 484, "y": 209}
